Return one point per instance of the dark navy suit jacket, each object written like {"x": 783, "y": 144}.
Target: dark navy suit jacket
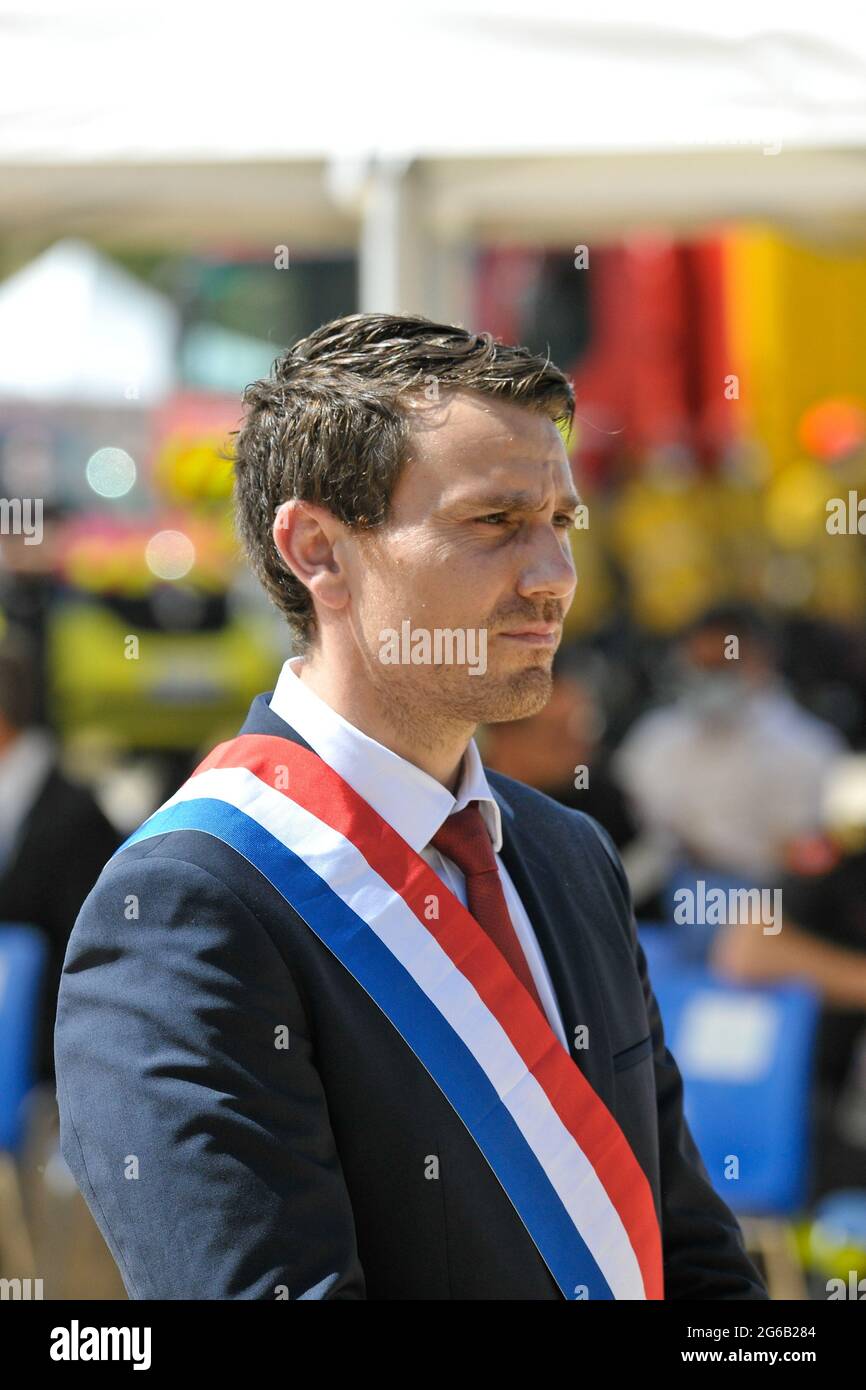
{"x": 219, "y": 1166}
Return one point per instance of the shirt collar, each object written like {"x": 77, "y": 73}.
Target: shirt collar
{"x": 404, "y": 795}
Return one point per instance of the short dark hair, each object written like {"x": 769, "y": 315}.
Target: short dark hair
{"x": 328, "y": 425}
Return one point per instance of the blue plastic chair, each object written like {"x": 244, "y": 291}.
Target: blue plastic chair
{"x": 695, "y": 939}
{"x": 662, "y": 946}
{"x": 23, "y": 960}
{"x": 746, "y": 1056}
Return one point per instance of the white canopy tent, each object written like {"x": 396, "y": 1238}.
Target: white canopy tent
{"x": 74, "y": 326}
{"x": 411, "y": 130}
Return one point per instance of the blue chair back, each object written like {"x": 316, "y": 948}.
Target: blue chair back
{"x": 690, "y": 886}
{"x": 746, "y": 1056}
{"x": 662, "y": 945}
{"x": 23, "y": 959}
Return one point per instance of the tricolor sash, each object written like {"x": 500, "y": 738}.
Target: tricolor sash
{"x": 558, "y": 1152}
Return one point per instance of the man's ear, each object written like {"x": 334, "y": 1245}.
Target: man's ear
{"x": 305, "y": 535}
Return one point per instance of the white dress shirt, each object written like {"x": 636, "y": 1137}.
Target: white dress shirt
{"x": 411, "y": 801}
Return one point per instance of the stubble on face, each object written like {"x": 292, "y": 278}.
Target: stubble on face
{"x": 428, "y": 703}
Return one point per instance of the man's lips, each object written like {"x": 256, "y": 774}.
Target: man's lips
{"x": 536, "y": 634}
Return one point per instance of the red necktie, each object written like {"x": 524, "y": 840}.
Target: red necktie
{"x": 464, "y": 839}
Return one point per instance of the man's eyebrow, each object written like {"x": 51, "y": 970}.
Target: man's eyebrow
{"x": 516, "y": 501}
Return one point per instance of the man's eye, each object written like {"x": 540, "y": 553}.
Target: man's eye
{"x": 497, "y": 518}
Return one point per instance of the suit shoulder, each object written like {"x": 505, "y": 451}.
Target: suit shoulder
{"x": 180, "y": 862}
{"x": 552, "y": 814}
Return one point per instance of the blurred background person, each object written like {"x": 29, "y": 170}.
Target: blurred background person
{"x": 54, "y": 837}
{"x": 732, "y": 768}
{"x": 822, "y": 942}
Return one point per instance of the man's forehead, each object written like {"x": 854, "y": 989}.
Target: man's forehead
{"x": 472, "y": 441}
{"x": 470, "y": 421}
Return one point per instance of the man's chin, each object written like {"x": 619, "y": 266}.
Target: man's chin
{"x": 516, "y": 696}
{"x": 493, "y": 697}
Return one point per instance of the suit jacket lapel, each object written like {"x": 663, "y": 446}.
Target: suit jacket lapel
{"x": 561, "y": 932}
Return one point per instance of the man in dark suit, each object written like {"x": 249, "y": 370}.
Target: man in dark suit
{"x": 349, "y": 1017}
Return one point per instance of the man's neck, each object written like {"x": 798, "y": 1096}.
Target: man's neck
{"x": 357, "y": 702}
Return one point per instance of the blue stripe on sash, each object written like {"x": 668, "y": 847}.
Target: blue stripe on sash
{"x": 430, "y": 1036}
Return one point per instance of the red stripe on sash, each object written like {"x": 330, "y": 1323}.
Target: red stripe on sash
{"x": 321, "y": 791}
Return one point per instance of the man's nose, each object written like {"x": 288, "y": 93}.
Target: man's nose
{"x": 549, "y": 568}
